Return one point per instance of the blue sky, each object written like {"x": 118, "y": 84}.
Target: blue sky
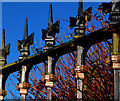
{"x": 13, "y": 18}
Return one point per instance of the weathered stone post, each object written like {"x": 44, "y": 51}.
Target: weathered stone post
{"x": 23, "y": 47}
{"x": 49, "y": 36}
{"x": 4, "y": 51}
{"x": 79, "y": 24}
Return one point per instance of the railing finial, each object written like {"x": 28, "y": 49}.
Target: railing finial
{"x": 3, "y": 39}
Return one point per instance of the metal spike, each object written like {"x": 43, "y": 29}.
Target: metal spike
{"x": 3, "y": 39}
{"x": 50, "y": 21}
{"x": 26, "y": 29}
{"x": 80, "y": 8}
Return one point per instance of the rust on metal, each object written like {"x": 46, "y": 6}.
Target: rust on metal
{"x": 116, "y": 66}
{"x": 79, "y": 68}
{"x": 50, "y": 77}
{"x": 79, "y": 75}
{"x": 116, "y": 62}
{"x": 115, "y": 58}
{"x": 24, "y": 85}
{"x": 23, "y": 91}
{"x": 3, "y": 92}
{"x": 108, "y": 60}
{"x": 49, "y": 84}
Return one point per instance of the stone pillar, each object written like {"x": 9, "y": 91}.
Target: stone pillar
{"x": 23, "y": 47}
{"x": 4, "y": 51}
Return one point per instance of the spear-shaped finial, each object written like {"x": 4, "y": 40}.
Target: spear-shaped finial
{"x": 80, "y": 8}
{"x": 26, "y": 28}
{"x": 50, "y": 21}
{"x": 23, "y": 45}
{"x": 3, "y": 39}
{"x": 52, "y": 29}
{"x": 5, "y": 50}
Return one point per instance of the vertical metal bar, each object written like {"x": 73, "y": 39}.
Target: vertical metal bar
{"x": 79, "y": 81}
{"x": 23, "y": 97}
{"x": 49, "y": 65}
{"x": 24, "y": 69}
{"x": 119, "y": 83}
{"x": 79, "y": 55}
{"x": 114, "y": 15}
{"x": 116, "y": 85}
{"x": 79, "y": 89}
{"x": 116, "y": 72}
{"x": 3, "y": 61}
{"x": 23, "y": 47}
{"x": 49, "y": 95}
{"x": 1, "y": 78}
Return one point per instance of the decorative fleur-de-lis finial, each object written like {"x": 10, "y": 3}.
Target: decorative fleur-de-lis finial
{"x": 27, "y": 40}
{"x": 52, "y": 28}
{"x": 23, "y": 45}
{"x": 114, "y": 9}
{"x": 4, "y": 51}
{"x": 81, "y": 18}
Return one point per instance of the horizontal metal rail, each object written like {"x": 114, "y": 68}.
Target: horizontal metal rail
{"x": 85, "y": 41}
